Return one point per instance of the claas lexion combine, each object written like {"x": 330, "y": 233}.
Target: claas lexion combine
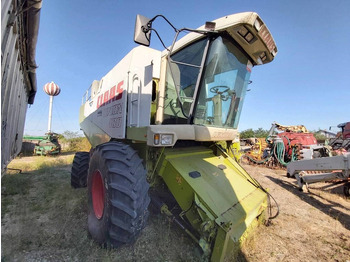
{"x": 162, "y": 126}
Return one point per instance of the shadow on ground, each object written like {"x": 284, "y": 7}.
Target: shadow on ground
{"x": 328, "y": 209}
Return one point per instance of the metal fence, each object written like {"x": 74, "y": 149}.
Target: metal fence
{"x": 19, "y": 32}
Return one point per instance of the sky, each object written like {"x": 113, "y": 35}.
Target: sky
{"x": 307, "y": 83}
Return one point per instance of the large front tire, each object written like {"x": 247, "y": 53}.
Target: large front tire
{"x": 117, "y": 195}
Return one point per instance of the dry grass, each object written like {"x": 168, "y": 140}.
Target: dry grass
{"x": 44, "y": 219}
{"x": 312, "y": 226}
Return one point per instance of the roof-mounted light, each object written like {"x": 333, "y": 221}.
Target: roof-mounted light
{"x": 274, "y": 52}
{"x": 258, "y": 24}
{"x": 246, "y": 34}
{"x": 249, "y": 37}
{"x": 263, "y": 56}
{"x": 210, "y": 26}
{"x": 243, "y": 31}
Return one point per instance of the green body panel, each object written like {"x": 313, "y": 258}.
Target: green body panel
{"x": 47, "y": 150}
{"x": 34, "y": 137}
{"x": 137, "y": 133}
{"x": 224, "y": 195}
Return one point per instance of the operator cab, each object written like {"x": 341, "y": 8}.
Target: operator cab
{"x": 208, "y": 70}
{"x": 211, "y": 75}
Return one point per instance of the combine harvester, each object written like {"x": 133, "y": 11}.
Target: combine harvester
{"x": 279, "y": 149}
{"x": 168, "y": 120}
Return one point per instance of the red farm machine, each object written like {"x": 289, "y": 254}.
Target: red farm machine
{"x": 280, "y": 148}
{"x": 167, "y": 120}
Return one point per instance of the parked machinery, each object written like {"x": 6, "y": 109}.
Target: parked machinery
{"x": 41, "y": 145}
{"x": 328, "y": 169}
{"x": 341, "y": 143}
{"x": 278, "y": 149}
{"x": 168, "y": 120}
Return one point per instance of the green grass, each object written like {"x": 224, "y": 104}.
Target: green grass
{"x": 15, "y": 184}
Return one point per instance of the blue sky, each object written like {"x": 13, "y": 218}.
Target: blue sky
{"x": 308, "y": 83}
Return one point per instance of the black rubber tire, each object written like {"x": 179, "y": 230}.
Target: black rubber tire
{"x": 79, "y": 170}
{"x": 125, "y": 195}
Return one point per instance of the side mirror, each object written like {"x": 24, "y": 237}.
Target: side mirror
{"x": 142, "y": 34}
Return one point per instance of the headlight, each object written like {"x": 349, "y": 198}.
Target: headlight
{"x": 166, "y": 139}
{"x": 160, "y": 139}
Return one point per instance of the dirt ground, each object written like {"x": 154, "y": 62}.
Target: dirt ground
{"x": 311, "y": 226}
{"x": 44, "y": 219}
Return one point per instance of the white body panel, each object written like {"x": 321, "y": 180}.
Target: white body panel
{"x": 337, "y": 167}
{"x": 123, "y": 96}
{"x": 341, "y": 162}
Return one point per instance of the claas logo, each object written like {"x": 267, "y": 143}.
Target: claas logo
{"x": 113, "y": 94}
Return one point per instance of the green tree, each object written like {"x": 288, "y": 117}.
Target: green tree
{"x": 70, "y": 134}
{"x": 319, "y": 136}
{"x": 260, "y": 132}
{"x": 247, "y": 133}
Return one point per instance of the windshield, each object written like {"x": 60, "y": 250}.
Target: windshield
{"x": 223, "y": 85}
{"x": 182, "y": 73}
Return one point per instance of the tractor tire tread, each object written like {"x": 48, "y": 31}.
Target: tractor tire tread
{"x": 79, "y": 169}
{"x": 128, "y": 192}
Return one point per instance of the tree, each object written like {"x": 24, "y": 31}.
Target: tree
{"x": 260, "y": 132}
{"x": 247, "y": 133}
{"x": 70, "y": 134}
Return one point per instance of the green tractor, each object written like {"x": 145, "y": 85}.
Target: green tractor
{"x": 163, "y": 130}
{"x": 42, "y": 145}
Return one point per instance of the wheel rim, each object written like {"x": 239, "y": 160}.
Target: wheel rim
{"x": 98, "y": 196}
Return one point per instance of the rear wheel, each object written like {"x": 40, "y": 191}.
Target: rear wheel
{"x": 80, "y": 168}
{"x": 117, "y": 195}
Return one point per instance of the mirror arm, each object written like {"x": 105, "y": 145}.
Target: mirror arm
{"x": 149, "y": 24}
{"x": 160, "y": 39}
